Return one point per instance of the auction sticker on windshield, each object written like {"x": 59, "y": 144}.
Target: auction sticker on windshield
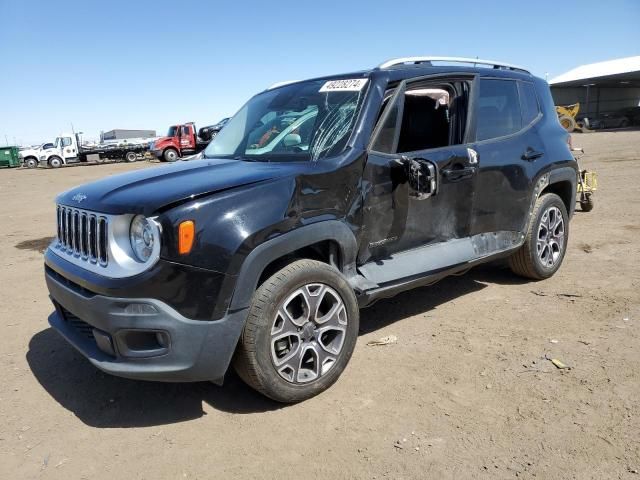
{"x": 346, "y": 85}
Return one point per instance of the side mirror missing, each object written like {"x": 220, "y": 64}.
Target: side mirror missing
{"x": 422, "y": 177}
{"x": 292, "y": 139}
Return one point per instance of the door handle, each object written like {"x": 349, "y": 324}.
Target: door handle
{"x": 457, "y": 174}
{"x": 531, "y": 154}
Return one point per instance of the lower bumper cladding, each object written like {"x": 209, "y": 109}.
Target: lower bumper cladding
{"x": 143, "y": 338}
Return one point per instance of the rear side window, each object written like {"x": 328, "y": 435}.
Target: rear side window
{"x": 498, "y": 109}
{"x": 528, "y": 103}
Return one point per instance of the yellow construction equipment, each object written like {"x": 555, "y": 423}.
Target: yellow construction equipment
{"x": 587, "y": 183}
{"x": 567, "y": 116}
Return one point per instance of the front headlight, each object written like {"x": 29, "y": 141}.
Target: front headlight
{"x": 143, "y": 238}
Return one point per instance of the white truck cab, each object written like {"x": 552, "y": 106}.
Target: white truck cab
{"x": 65, "y": 150}
{"x": 31, "y": 156}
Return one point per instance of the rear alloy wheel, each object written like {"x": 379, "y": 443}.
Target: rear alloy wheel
{"x": 170, "y": 155}
{"x": 130, "y": 157}
{"x": 55, "y": 162}
{"x": 545, "y": 243}
{"x": 300, "y": 333}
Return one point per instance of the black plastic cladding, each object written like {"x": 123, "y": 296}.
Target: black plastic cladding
{"x": 241, "y": 207}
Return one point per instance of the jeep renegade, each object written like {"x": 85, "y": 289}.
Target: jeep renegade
{"x": 318, "y": 198}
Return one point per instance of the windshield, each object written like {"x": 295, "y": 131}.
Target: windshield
{"x": 299, "y": 122}
{"x": 173, "y": 131}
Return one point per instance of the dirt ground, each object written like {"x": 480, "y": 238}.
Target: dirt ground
{"x": 466, "y": 392}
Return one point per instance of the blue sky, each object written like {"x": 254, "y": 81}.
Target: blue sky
{"x": 142, "y": 64}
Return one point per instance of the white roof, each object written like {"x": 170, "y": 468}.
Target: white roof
{"x": 600, "y": 69}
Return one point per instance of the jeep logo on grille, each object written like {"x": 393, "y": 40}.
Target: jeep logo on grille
{"x": 78, "y": 197}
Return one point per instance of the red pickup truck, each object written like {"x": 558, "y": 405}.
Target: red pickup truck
{"x": 181, "y": 140}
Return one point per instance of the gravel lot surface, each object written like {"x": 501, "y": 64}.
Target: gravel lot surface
{"x": 466, "y": 392}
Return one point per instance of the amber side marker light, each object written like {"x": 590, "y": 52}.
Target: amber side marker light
{"x": 186, "y": 234}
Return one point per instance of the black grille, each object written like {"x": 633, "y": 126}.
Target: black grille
{"x": 83, "y": 234}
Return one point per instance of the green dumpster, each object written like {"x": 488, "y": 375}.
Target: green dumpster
{"x": 9, "y": 157}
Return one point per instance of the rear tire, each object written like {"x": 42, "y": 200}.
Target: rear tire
{"x": 546, "y": 241}
{"x": 130, "y": 157}
{"x": 300, "y": 333}
{"x": 55, "y": 162}
{"x": 170, "y": 155}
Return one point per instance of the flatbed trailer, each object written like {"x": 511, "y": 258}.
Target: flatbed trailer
{"x": 129, "y": 152}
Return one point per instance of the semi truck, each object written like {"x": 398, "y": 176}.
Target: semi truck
{"x": 68, "y": 149}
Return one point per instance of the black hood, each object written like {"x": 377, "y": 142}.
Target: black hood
{"x": 149, "y": 190}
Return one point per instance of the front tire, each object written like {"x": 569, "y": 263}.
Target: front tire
{"x": 546, "y": 241}
{"x": 300, "y": 333}
{"x": 31, "y": 162}
{"x": 55, "y": 162}
{"x": 170, "y": 155}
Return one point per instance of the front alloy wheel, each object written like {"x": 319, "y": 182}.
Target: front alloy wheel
{"x": 300, "y": 332}
{"x": 308, "y": 333}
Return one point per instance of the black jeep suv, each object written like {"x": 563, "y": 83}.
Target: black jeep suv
{"x": 317, "y": 198}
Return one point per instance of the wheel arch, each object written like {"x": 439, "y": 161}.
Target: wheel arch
{"x": 562, "y": 182}
{"x": 330, "y": 241}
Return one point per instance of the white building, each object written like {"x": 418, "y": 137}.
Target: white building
{"x": 601, "y": 88}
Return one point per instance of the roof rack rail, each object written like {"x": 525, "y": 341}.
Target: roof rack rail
{"x": 473, "y": 61}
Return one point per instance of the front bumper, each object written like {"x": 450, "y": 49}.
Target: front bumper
{"x": 116, "y": 335}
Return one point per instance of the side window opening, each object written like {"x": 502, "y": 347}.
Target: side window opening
{"x": 66, "y": 141}
{"x": 427, "y": 115}
{"x": 498, "y": 109}
{"x": 425, "y": 119}
{"x": 185, "y": 130}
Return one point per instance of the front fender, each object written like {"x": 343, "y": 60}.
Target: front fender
{"x": 278, "y": 247}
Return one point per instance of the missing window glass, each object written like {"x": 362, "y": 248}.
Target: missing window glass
{"x": 424, "y": 116}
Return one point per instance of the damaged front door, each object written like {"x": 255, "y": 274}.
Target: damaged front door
{"x": 419, "y": 177}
